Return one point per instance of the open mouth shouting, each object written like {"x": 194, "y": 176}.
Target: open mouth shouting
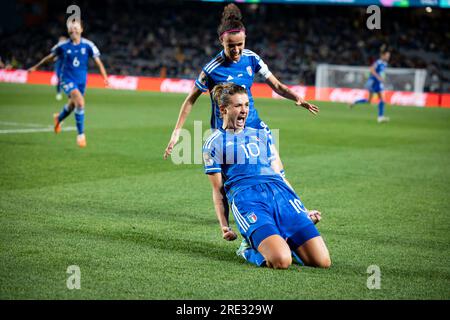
{"x": 240, "y": 120}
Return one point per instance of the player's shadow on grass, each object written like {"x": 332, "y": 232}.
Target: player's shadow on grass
{"x": 163, "y": 241}
{"x": 187, "y": 246}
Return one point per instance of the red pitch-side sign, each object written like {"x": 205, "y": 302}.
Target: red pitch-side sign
{"x": 259, "y": 90}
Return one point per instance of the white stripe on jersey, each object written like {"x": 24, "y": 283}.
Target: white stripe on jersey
{"x": 60, "y": 43}
{"x": 247, "y": 52}
{"x": 212, "y": 62}
{"x": 215, "y": 65}
{"x": 210, "y": 140}
{"x": 95, "y": 51}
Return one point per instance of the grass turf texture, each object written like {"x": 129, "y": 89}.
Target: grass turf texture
{"x": 142, "y": 228}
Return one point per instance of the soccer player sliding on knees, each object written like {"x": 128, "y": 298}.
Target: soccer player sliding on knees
{"x": 237, "y": 65}
{"x": 269, "y": 214}
{"x": 73, "y": 54}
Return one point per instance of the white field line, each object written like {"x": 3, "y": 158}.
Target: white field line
{"x": 33, "y": 130}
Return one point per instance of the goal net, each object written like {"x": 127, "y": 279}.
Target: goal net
{"x": 343, "y": 76}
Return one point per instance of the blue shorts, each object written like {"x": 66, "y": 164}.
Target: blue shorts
{"x": 68, "y": 85}
{"x": 272, "y": 208}
{"x": 374, "y": 85}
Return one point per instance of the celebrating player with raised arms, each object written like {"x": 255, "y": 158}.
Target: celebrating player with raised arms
{"x": 269, "y": 214}
{"x": 74, "y": 55}
{"x": 375, "y": 83}
{"x": 238, "y": 65}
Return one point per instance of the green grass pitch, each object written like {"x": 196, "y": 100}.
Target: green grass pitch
{"x": 140, "y": 227}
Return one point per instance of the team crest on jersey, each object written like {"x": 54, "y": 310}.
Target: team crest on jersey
{"x": 252, "y": 218}
{"x": 249, "y": 71}
{"x": 83, "y": 50}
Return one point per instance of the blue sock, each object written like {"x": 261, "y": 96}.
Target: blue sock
{"x": 297, "y": 258}
{"x": 64, "y": 113}
{"x": 79, "y": 119}
{"x": 253, "y": 256}
{"x": 381, "y": 108}
{"x": 361, "y": 101}
{"x": 58, "y": 87}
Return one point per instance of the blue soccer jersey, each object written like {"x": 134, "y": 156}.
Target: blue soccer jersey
{"x": 74, "y": 60}
{"x": 261, "y": 202}
{"x": 373, "y": 84}
{"x": 243, "y": 158}
{"x": 221, "y": 70}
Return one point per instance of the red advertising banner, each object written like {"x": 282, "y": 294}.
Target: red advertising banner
{"x": 259, "y": 90}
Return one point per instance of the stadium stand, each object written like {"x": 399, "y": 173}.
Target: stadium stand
{"x": 174, "y": 39}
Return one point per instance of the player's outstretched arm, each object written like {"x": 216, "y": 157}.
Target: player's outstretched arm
{"x": 287, "y": 93}
{"x": 48, "y": 58}
{"x": 102, "y": 69}
{"x": 221, "y": 206}
{"x": 186, "y": 108}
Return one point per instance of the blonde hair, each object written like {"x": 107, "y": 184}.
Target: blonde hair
{"x": 223, "y": 91}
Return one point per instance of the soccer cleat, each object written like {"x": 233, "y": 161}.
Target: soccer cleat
{"x": 383, "y": 119}
{"x": 57, "y": 123}
{"x": 244, "y": 246}
{"x": 59, "y": 96}
{"x": 81, "y": 140}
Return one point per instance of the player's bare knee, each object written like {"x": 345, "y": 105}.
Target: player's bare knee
{"x": 80, "y": 102}
{"x": 280, "y": 261}
{"x": 77, "y": 99}
{"x": 324, "y": 262}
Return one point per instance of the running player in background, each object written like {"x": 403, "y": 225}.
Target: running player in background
{"x": 238, "y": 65}
{"x": 269, "y": 214}
{"x": 375, "y": 83}
{"x": 74, "y": 55}
{"x": 58, "y": 65}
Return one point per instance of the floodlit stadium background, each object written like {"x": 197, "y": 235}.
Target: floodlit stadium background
{"x": 139, "y": 227}
{"x": 168, "y": 39}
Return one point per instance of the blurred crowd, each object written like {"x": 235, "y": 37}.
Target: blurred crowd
{"x": 175, "y": 39}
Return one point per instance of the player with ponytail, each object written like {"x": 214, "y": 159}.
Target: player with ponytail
{"x": 238, "y": 65}
{"x": 375, "y": 83}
